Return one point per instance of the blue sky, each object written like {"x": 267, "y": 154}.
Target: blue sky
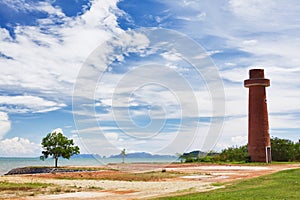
{"x": 47, "y": 82}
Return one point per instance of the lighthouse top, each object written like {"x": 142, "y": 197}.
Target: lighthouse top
{"x": 257, "y": 78}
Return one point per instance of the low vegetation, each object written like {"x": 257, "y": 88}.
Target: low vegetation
{"x": 281, "y": 185}
{"x": 16, "y": 190}
{"x": 12, "y": 190}
{"x": 283, "y": 150}
{"x": 5, "y": 185}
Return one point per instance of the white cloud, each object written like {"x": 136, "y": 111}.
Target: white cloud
{"x": 255, "y": 34}
{"x": 48, "y": 61}
{"x": 240, "y": 140}
{"x": 19, "y": 147}
{"x": 249, "y": 42}
{"x": 252, "y": 8}
{"x": 88, "y": 130}
{"x": 57, "y": 130}
{"x": 198, "y": 17}
{"x": 235, "y": 127}
{"x": 172, "y": 56}
{"x": 5, "y": 124}
{"x": 287, "y": 121}
{"x": 18, "y": 4}
{"x": 164, "y": 90}
{"x": 24, "y": 104}
{"x": 112, "y": 136}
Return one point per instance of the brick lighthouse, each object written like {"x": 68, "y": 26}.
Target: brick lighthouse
{"x": 259, "y": 146}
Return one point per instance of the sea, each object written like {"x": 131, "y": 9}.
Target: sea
{"x": 8, "y": 163}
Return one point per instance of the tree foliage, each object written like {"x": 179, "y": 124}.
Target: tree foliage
{"x": 123, "y": 154}
{"x": 297, "y": 151}
{"x": 285, "y": 150}
{"x": 197, "y": 156}
{"x": 57, "y": 145}
{"x": 235, "y": 154}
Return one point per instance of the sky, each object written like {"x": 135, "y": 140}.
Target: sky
{"x": 162, "y": 77}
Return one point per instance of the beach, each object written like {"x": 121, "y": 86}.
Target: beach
{"x": 145, "y": 180}
{"x": 8, "y": 163}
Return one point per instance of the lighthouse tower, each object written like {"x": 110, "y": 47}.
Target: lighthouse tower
{"x": 259, "y": 146}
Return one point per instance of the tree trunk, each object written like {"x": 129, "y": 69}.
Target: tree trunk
{"x": 56, "y": 159}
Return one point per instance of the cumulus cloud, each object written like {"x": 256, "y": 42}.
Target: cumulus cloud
{"x": 19, "y": 147}
{"x": 46, "y": 58}
{"x": 40, "y": 60}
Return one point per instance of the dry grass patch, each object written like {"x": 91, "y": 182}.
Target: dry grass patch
{"x": 114, "y": 175}
{"x": 11, "y": 190}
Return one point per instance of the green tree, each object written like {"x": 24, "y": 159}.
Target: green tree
{"x": 57, "y": 145}
{"x": 297, "y": 151}
{"x": 123, "y": 154}
{"x": 181, "y": 157}
{"x": 235, "y": 154}
{"x": 282, "y": 149}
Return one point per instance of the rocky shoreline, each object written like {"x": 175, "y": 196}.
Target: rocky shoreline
{"x": 41, "y": 170}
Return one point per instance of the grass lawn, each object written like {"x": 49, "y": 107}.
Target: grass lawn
{"x": 280, "y": 185}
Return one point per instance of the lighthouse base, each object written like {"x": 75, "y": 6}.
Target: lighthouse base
{"x": 259, "y": 154}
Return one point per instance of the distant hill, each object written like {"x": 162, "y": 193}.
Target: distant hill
{"x": 143, "y": 155}
{"x": 86, "y": 156}
{"x": 193, "y": 154}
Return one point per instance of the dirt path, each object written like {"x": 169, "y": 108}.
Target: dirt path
{"x": 196, "y": 178}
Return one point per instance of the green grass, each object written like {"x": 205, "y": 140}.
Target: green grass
{"x": 281, "y": 185}
{"x": 5, "y": 185}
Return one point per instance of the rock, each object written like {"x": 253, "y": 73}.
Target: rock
{"x": 40, "y": 170}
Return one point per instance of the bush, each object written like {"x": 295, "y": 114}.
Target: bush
{"x": 285, "y": 150}
{"x": 207, "y": 159}
{"x": 235, "y": 154}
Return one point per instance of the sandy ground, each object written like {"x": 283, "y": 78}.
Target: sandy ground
{"x": 198, "y": 177}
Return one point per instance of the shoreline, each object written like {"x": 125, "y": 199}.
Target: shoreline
{"x": 8, "y": 163}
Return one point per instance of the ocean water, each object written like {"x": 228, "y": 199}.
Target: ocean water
{"x": 8, "y": 163}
